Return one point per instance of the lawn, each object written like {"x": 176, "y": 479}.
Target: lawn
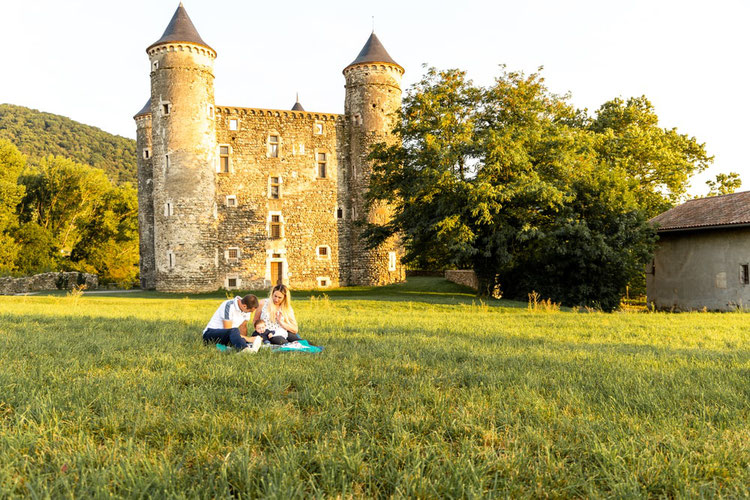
{"x": 422, "y": 391}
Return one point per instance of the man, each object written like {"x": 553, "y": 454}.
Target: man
{"x": 228, "y": 325}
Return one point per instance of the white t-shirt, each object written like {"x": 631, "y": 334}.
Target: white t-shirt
{"x": 228, "y": 311}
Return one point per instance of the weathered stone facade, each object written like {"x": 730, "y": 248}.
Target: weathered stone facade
{"x": 243, "y": 198}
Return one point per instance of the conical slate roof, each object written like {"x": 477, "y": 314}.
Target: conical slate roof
{"x": 180, "y": 29}
{"x": 374, "y": 52}
{"x": 297, "y": 106}
{"x": 145, "y": 110}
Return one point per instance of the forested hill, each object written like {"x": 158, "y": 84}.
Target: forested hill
{"x": 38, "y": 134}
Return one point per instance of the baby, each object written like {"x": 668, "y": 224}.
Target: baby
{"x": 267, "y": 336}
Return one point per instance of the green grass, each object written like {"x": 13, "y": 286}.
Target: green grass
{"x": 422, "y": 391}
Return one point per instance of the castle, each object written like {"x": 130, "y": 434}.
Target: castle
{"x": 246, "y": 198}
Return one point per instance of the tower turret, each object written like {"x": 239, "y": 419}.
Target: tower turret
{"x": 373, "y": 99}
{"x": 184, "y": 155}
{"x": 144, "y": 150}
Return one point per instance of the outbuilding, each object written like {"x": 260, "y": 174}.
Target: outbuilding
{"x": 702, "y": 257}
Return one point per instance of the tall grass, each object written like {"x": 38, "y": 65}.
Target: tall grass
{"x": 421, "y": 391}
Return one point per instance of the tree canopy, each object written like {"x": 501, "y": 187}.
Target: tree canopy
{"x": 532, "y": 194}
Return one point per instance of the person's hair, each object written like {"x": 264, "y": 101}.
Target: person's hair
{"x": 257, "y": 322}
{"x": 286, "y": 305}
{"x": 251, "y": 301}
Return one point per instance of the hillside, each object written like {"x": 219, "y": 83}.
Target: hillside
{"x": 38, "y": 134}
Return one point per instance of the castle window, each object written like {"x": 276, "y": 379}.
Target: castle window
{"x": 170, "y": 259}
{"x": 231, "y": 200}
{"x": 155, "y": 65}
{"x": 233, "y": 124}
{"x": 146, "y": 154}
{"x": 322, "y": 165}
{"x": 323, "y": 252}
{"x": 745, "y": 274}
{"x": 275, "y": 189}
{"x": 210, "y": 111}
{"x": 168, "y": 209}
{"x": 166, "y": 162}
{"x": 275, "y": 227}
{"x": 339, "y": 213}
{"x": 391, "y": 261}
{"x": 323, "y": 281}
{"x": 232, "y": 254}
{"x": 232, "y": 282}
{"x": 166, "y": 108}
{"x": 273, "y": 146}
{"x": 318, "y": 128}
{"x": 276, "y": 256}
{"x": 224, "y": 159}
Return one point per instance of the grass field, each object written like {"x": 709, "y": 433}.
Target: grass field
{"x": 421, "y": 392}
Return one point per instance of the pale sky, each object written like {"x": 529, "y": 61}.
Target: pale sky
{"x": 85, "y": 59}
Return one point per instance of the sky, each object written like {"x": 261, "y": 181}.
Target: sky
{"x": 86, "y": 59}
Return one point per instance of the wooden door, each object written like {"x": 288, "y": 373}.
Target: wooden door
{"x": 277, "y": 274}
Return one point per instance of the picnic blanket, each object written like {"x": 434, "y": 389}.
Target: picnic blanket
{"x": 297, "y": 346}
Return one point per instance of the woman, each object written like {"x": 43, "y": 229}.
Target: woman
{"x": 276, "y": 311}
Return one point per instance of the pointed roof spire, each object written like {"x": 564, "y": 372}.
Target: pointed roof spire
{"x": 374, "y": 52}
{"x": 181, "y": 29}
{"x": 297, "y": 106}
{"x": 145, "y": 110}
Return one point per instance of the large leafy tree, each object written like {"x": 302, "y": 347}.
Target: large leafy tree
{"x": 12, "y": 163}
{"x": 508, "y": 181}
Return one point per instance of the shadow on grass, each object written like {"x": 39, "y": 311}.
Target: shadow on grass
{"x": 428, "y": 290}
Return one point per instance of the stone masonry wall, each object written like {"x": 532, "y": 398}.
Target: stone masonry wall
{"x": 463, "y": 277}
{"x": 47, "y": 281}
{"x": 184, "y": 160}
{"x": 373, "y": 97}
{"x": 307, "y": 204}
{"x": 145, "y": 202}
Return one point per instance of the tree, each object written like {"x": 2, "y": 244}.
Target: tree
{"x": 12, "y": 162}
{"x": 660, "y": 160}
{"x": 508, "y": 181}
{"x": 724, "y": 184}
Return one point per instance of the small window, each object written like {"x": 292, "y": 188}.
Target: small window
{"x": 233, "y": 124}
{"x": 273, "y": 146}
{"x": 339, "y": 213}
{"x": 171, "y": 259}
{"x": 275, "y": 227}
{"x": 168, "y": 209}
{"x": 744, "y": 274}
{"x": 318, "y": 128}
{"x": 323, "y": 281}
{"x": 322, "y": 165}
{"x": 210, "y": 111}
{"x": 276, "y": 256}
{"x": 233, "y": 254}
{"x": 231, "y": 200}
{"x": 275, "y": 191}
{"x": 391, "y": 261}
{"x": 224, "y": 159}
{"x": 166, "y": 162}
{"x": 166, "y": 108}
{"x": 155, "y": 65}
{"x": 231, "y": 282}
{"x": 323, "y": 252}
{"x": 146, "y": 154}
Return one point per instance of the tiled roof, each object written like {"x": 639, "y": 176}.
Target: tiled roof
{"x": 146, "y": 109}
{"x": 180, "y": 29}
{"x": 373, "y": 52}
{"x": 704, "y": 213}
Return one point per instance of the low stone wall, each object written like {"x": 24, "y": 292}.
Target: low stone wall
{"x": 463, "y": 277}
{"x": 47, "y": 281}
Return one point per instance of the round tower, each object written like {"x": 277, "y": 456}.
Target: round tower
{"x": 184, "y": 158}
{"x": 144, "y": 150}
{"x": 373, "y": 99}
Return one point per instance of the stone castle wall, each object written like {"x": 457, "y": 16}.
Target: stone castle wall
{"x": 184, "y": 159}
{"x": 145, "y": 202}
{"x": 307, "y": 204}
{"x": 47, "y": 281}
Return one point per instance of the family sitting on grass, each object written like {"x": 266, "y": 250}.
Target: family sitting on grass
{"x": 272, "y": 319}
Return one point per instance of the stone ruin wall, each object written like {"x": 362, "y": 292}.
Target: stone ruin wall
{"x": 307, "y": 204}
